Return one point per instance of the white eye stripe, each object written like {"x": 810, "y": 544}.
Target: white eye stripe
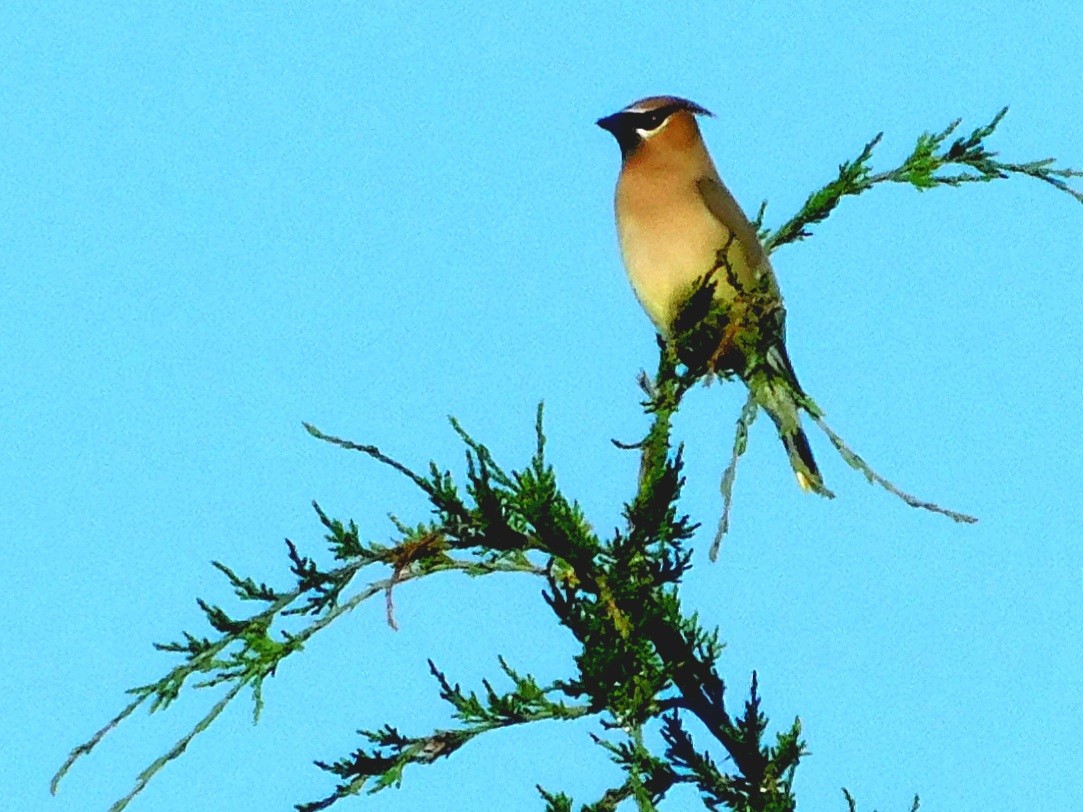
{"x": 644, "y": 133}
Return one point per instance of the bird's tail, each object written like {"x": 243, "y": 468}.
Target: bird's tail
{"x": 776, "y": 390}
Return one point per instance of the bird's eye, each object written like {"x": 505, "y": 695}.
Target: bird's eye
{"x": 652, "y": 121}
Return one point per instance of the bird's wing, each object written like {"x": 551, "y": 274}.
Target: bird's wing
{"x": 725, "y": 209}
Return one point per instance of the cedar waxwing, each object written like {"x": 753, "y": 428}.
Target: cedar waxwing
{"x": 679, "y": 226}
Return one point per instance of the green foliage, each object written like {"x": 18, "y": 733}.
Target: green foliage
{"x": 644, "y": 665}
{"x": 642, "y": 661}
{"x": 391, "y": 752}
{"x": 921, "y": 169}
{"x": 752, "y": 323}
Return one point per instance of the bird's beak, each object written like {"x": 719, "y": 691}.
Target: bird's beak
{"x": 609, "y": 123}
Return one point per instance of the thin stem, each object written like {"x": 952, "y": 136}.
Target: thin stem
{"x": 740, "y": 444}
{"x": 855, "y": 461}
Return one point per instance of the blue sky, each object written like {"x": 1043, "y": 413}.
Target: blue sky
{"x": 218, "y": 223}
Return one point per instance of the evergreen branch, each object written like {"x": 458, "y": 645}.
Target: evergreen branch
{"x": 679, "y": 653}
{"x": 856, "y": 462}
{"x": 177, "y": 750}
{"x": 921, "y": 169}
{"x": 483, "y": 453}
{"x": 716, "y": 787}
{"x": 393, "y": 753}
{"x": 554, "y": 802}
{"x": 853, "y": 179}
{"x": 86, "y": 747}
{"x": 655, "y": 789}
{"x": 687, "y": 654}
{"x": 258, "y": 655}
{"x": 740, "y": 445}
{"x": 373, "y": 452}
{"x": 528, "y": 701}
{"x": 649, "y": 777}
{"x": 1054, "y": 177}
{"x": 383, "y": 764}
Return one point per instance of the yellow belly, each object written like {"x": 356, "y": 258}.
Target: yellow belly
{"x": 665, "y": 256}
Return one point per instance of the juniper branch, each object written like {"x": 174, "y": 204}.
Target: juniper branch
{"x": 921, "y": 169}
{"x": 855, "y": 461}
{"x": 649, "y": 777}
{"x": 373, "y": 452}
{"x": 246, "y": 655}
{"x": 740, "y": 445}
{"x": 383, "y": 765}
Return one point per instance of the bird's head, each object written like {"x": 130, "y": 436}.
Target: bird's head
{"x": 651, "y": 118}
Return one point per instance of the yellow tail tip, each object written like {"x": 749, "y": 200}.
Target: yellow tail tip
{"x": 804, "y": 481}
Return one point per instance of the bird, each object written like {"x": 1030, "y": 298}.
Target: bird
{"x": 681, "y": 230}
